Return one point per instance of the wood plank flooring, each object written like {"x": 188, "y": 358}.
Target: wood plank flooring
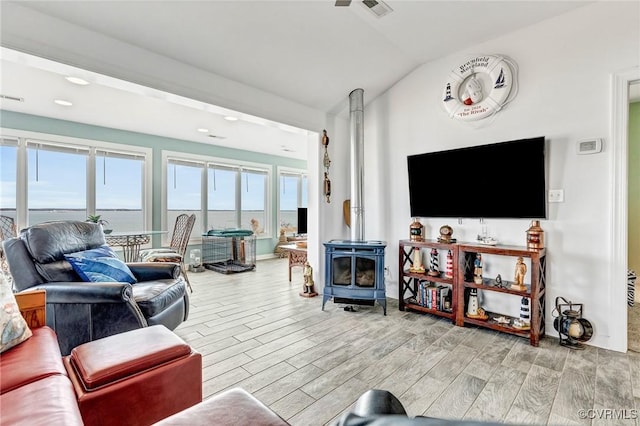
{"x": 255, "y": 331}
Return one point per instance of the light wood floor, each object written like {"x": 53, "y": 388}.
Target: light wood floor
{"x": 255, "y": 331}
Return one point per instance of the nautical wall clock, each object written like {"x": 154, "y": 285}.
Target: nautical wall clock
{"x": 480, "y": 87}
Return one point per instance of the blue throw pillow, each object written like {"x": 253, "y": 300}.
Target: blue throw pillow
{"x": 100, "y": 265}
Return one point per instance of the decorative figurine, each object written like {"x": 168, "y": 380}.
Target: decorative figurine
{"x": 499, "y": 280}
{"x": 448, "y": 272}
{"x": 535, "y": 236}
{"x": 307, "y": 272}
{"x": 477, "y": 269}
{"x": 416, "y": 230}
{"x": 521, "y": 270}
{"x": 434, "y": 269}
{"x": 472, "y": 304}
{"x": 473, "y": 310}
{"x": 524, "y": 322}
{"x": 445, "y": 235}
{"x": 502, "y": 320}
{"x": 447, "y": 301}
{"x": 417, "y": 265}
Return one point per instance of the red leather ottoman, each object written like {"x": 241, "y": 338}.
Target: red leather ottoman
{"x": 135, "y": 378}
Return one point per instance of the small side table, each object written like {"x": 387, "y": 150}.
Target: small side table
{"x": 297, "y": 256}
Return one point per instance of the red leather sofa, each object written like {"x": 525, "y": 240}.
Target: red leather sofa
{"x": 35, "y": 387}
{"x": 138, "y": 377}
{"x": 133, "y": 378}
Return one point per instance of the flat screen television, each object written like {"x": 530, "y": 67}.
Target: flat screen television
{"x": 500, "y": 180}
{"x": 302, "y": 220}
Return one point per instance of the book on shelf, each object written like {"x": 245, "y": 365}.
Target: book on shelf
{"x": 432, "y": 296}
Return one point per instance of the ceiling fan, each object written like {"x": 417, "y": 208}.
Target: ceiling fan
{"x": 379, "y": 8}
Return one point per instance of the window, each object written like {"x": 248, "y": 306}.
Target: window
{"x": 254, "y": 200}
{"x": 48, "y": 177}
{"x": 184, "y": 191}
{"x": 228, "y": 196}
{"x": 292, "y": 194}
{"x": 221, "y": 201}
{"x": 8, "y": 175}
{"x": 119, "y": 190}
{"x": 57, "y": 182}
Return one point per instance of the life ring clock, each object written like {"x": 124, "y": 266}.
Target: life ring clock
{"x": 480, "y": 87}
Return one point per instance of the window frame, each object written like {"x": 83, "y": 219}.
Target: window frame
{"x": 238, "y": 166}
{"x": 25, "y": 139}
{"x": 301, "y": 174}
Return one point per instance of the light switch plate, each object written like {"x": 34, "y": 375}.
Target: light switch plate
{"x": 556, "y": 196}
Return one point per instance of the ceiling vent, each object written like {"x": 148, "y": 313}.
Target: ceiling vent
{"x": 12, "y": 98}
{"x": 378, "y": 8}
{"x": 217, "y": 137}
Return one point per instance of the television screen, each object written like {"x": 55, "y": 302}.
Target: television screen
{"x": 500, "y": 180}
{"x": 302, "y": 220}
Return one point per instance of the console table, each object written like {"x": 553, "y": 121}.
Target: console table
{"x": 297, "y": 256}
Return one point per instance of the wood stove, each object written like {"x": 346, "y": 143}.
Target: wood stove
{"x": 354, "y": 272}
{"x": 354, "y": 269}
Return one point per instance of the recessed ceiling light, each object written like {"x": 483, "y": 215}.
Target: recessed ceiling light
{"x": 77, "y": 80}
{"x": 203, "y": 130}
{"x": 62, "y": 102}
{"x": 230, "y": 118}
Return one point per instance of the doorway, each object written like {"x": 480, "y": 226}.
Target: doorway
{"x": 618, "y": 243}
{"x": 633, "y": 214}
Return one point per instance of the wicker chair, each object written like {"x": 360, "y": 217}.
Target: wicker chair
{"x": 7, "y": 230}
{"x": 177, "y": 248}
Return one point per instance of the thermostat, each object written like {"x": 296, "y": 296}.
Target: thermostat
{"x": 589, "y": 146}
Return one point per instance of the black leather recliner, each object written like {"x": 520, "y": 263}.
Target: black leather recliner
{"x": 81, "y": 311}
{"x": 378, "y": 407}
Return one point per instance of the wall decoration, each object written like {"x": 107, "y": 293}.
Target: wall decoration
{"x": 480, "y": 87}
{"x": 326, "y": 162}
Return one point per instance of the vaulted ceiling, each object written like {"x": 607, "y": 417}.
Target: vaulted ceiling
{"x": 312, "y": 53}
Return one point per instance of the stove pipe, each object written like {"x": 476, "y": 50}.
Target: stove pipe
{"x": 356, "y": 122}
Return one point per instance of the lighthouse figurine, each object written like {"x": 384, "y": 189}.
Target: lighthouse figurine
{"x": 434, "y": 270}
{"x": 448, "y": 272}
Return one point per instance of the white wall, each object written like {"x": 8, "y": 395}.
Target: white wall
{"x": 565, "y": 66}
{"x": 95, "y": 52}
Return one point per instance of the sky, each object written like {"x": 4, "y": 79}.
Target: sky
{"x": 57, "y": 181}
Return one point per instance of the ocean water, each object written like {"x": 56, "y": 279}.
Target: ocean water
{"x": 131, "y": 220}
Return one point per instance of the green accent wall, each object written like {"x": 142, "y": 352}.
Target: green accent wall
{"x": 19, "y": 121}
{"x": 634, "y": 188}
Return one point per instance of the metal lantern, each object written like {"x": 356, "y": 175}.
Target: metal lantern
{"x": 572, "y": 328}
